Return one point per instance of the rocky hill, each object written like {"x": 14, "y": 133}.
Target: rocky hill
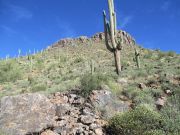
{"x": 71, "y": 88}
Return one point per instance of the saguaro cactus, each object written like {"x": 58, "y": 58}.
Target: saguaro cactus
{"x": 110, "y": 30}
{"x": 137, "y": 54}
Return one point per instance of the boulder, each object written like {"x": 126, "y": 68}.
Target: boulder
{"x": 26, "y": 114}
{"x": 107, "y": 104}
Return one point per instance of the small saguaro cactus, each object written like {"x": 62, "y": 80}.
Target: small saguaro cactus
{"x": 19, "y": 53}
{"x": 92, "y": 67}
{"x": 137, "y": 59}
{"x": 110, "y": 30}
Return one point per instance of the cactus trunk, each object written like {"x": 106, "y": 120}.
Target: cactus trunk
{"x": 117, "y": 61}
{"x": 137, "y": 59}
{"x": 110, "y": 30}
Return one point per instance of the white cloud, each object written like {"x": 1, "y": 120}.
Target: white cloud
{"x": 20, "y": 12}
{"x": 8, "y": 30}
{"x": 124, "y": 21}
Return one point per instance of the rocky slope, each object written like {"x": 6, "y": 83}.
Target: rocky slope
{"x": 59, "y": 114}
{"x": 97, "y": 38}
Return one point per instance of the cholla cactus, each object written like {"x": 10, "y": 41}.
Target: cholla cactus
{"x": 110, "y": 30}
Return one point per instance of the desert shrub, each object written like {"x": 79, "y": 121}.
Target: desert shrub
{"x": 148, "y": 55}
{"x": 171, "y": 53}
{"x": 171, "y": 115}
{"x": 39, "y": 87}
{"x": 9, "y": 71}
{"x": 156, "y": 93}
{"x": 144, "y": 97}
{"x": 139, "y": 73}
{"x": 39, "y": 63}
{"x": 131, "y": 91}
{"x": 154, "y": 132}
{"x": 161, "y": 55}
{"x": 136, "y": 122}
{"x": 91, "y": 82}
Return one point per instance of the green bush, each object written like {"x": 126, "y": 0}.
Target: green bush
{"x": 154, "y": 132}
{"x": 171, "y": 115}
{"x": 171, "y": 53}
{"x": 144, "y": 97}
{"x": 91, "y": 82}
{"x": 9, "y": 71}
{"x": 161, "y": 55}
{"x": 136, "y": 122}
{"x": 39, "y": 87}
{"x": 131, "y": 91}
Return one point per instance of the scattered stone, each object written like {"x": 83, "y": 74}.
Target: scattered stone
{"x": 98, "y": 131}
{"x": 49, "y": 132}
{"x": 122, "y": 81}
{"x": 168, "y": 92}
{"x": 62, "y": 109}
{"x": 87, "y": 119}
{"x": 93, "y": 126}
{"x": 87, "y": 111}
{"x": 160, "y": 102}
{"x": 142, "y": 86}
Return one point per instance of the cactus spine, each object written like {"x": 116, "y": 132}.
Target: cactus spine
{"x": 137, "y": 59}
{"x": 110, "y": 30}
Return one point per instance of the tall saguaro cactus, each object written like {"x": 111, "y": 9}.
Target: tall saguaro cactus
{"x": 110, "y": 30}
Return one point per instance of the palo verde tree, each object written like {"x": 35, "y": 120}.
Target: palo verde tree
{"x": 110, "y": 30}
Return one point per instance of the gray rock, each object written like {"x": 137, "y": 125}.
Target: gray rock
{"x": 62, "y": 109}
{"x": 105, "y": 103}
{"x": 98, "y": 131}
{"x": 49, "y": 132}
{"x": 93, "y": 126}
{"x": 142, "y": 86}
{"x": 27, "y": 113}
{"x": 87, "y": 119}
{"x": 122, "y": 81}
{"x": 87, "y": 111}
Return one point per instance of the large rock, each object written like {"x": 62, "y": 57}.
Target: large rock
{"x": 105, "y": 103}
{"x": 26, "y": 114}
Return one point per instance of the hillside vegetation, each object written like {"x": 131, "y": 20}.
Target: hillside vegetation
{"x": 90, "y": 66}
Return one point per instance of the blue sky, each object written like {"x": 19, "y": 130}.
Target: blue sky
{"x": 36, "y": 24}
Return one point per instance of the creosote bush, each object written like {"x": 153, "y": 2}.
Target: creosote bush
{"x": 136, "y": 122}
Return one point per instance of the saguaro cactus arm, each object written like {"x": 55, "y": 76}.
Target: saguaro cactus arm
{"x": 106, "y": 31}
{"x": 112, "y": 27}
